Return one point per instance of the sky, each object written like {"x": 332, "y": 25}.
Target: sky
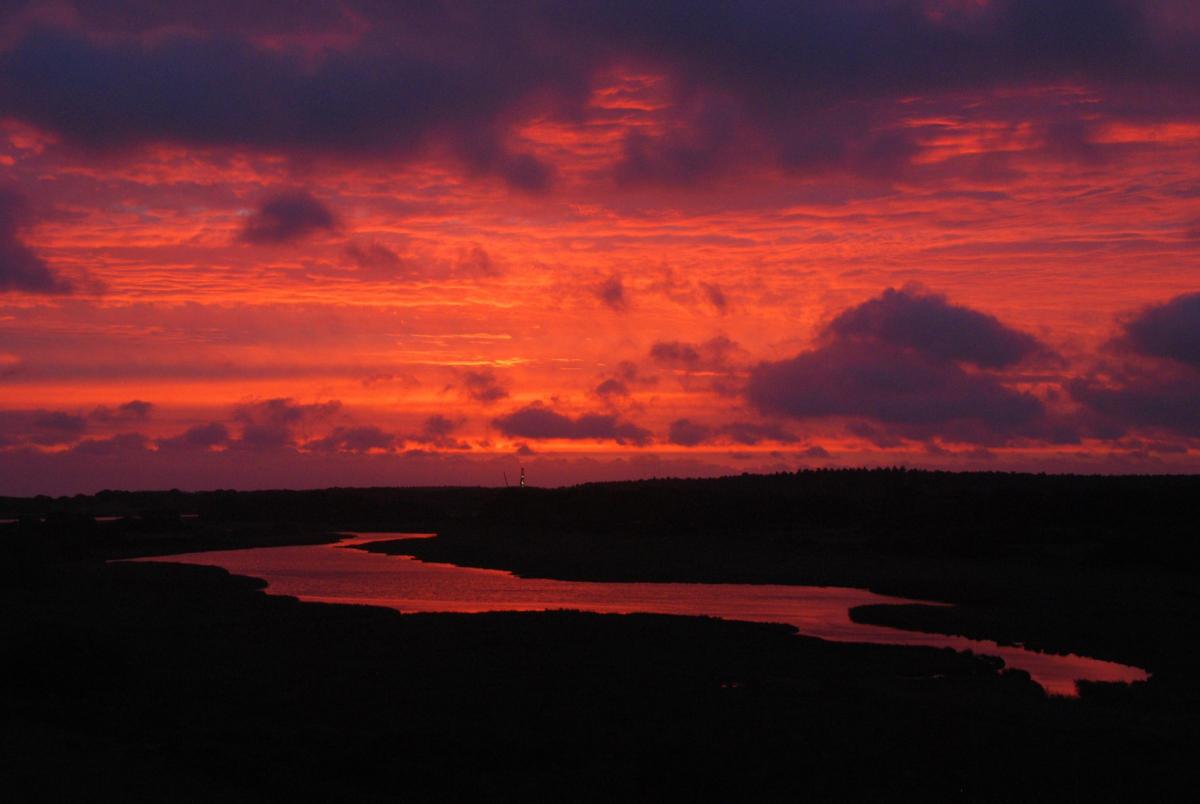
{"x": 309, "y": 244}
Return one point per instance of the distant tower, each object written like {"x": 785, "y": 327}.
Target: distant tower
{"x": 522, "y": 477}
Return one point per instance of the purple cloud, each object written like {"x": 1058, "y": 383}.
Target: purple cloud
{"x": 376, "y": 261}
{"x": 46, "y": 428}
{"x": 287, "y": 218}
{"x": 714, "y": 354}
{"x": 688, "y": 433}
{"x": 354, "y": 439}
{"x": 806, "y": 86}
{"x": 898, "y": 360}
{"x": 890, "y": 385}
{"x": 610, "y": 388}
{"x": 716, "y": 297}
{"x": 933, "y": 326}
{"x": 1170, "y": 330}
{"x": 612, "y": 293}
{"x": 57, "y": 427}
{"x": 200, "y": 436}
{"x": 118, "y": 444}
{"x": 133, "y": 410}
{"x": 536, "y": 421}
{"x": 1157, "y": 388}
{"x": 420, "y": 80}
{"x": 21, "y": 269}
{"x": 482, "y": 386}
{"x": 751, "y": 433}
{"x": 437, "y": 431}
{"x": 271, "y": 423}
{"x": 1155, "y": 401}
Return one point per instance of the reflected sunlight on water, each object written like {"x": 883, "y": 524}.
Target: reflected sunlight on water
{"x": 333, "y": 574}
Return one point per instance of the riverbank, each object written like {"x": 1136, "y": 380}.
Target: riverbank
{"x": 1133, "y": 615}
{"x": 197, "y": 680}
{"x": 149, "y": 678}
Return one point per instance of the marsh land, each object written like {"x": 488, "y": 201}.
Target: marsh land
{"x": 154, "y": 680}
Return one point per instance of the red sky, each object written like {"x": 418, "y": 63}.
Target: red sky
{"x": 348, "y": 244}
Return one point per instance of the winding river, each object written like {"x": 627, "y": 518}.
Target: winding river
{"x": 333, "y": 574}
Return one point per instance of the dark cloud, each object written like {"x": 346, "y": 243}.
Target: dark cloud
{"x": 627, "y": 371}
{"x": 704, "y": 140}
{"x": 376, "y": 261}
{"x": 814, "y": 84}
{"x": 265, "y": 436}
{"x": 891, "y": 385}
{"x": 536, "y": 421}
{"x": 482, "y": 386}
{"x": 272, "y": 423}
{"x": 716, "y": 296}
{"x": 675, "y": 354}
{"x": 287, "y": 218}
{"x": 284, "y": 410}
{"x": 423, "y": 78}
{"x": 440, "y": 426}
{"x": 21, "y": 269}
{"x": 1155, "y": 401}
{"x": 118, "y": 444}
{"x": 1157, "y": 386}
{"x": 876, "y": 436}
{"x": 621, "y": 381}
{"x": 894, "y": 360}
{"x": 612, "y": 388}
{"x": 612, "y": 292}
{"x": 688, "y": 433}
{"x": 57, "y": 427}
{"x": 931, "y": 325}
{"x": 42, "y": 427}
{"x": 810, "y": 86}
{"x": 714, "y": 354}
{"x": 1170, "y": 330}
{"x": 755, "y": 432}
{"x": 437, "y": 431}
{"x": 200, "y": 436}
{"x": 133, "y": 410}
{"x": 520, "y": 171}
{"x": 354, "y": 439}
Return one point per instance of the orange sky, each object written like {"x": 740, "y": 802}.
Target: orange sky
{"x": 440, "y": 288}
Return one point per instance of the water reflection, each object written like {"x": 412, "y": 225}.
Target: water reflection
{"x": 333, "y": 574}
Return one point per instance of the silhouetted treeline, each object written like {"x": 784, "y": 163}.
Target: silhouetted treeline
{"x": 340, "y": 507}
{"x": 889, "y": 509}
{"x": 1142, "y": 518}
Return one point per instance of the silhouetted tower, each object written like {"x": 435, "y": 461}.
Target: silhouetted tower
{"x": 522, "y": 477}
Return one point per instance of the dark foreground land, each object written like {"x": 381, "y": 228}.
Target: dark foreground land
{"x": 178, "y": 682}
